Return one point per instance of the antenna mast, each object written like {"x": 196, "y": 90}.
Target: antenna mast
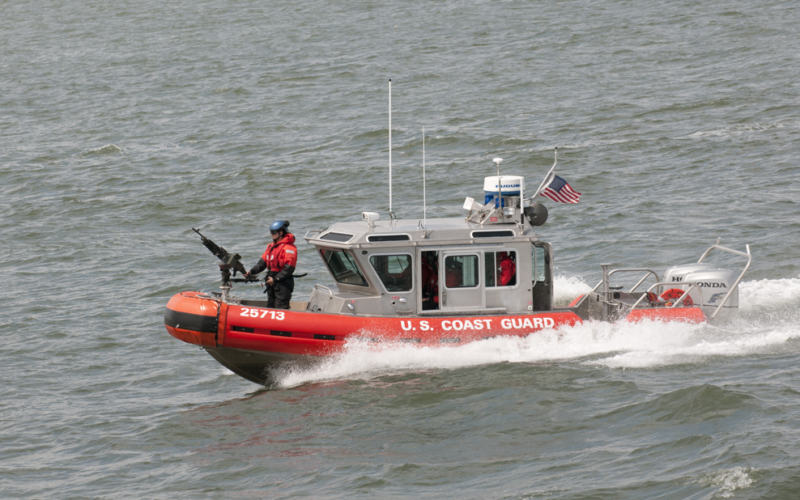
{"x": 497, "y": 162}
{"x": 424, "y": 208}
{"x": 391, "y": 213}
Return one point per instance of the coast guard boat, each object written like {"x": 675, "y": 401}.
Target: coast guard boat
{"x": 436, "y": 282}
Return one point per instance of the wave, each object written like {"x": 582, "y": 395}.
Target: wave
{"x": 567, "y": 288}
{"x": 754, "y": 295}
{"x": 739, "y": 130}
{"x": 728, "y": 481}
{"x": 231, "y": 90}
{"x": 108, "y": 149}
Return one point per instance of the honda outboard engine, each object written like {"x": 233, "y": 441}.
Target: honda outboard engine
{"x": 714, "y": 283}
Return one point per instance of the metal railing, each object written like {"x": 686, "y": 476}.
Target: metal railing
{"x": 608, "y": 274}
{"x": 735, "y": 283}
{"x": 692, "y": 285}
{"x": 607, "y": 288}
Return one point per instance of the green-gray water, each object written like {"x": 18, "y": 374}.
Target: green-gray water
{"x": 124, "y": 124}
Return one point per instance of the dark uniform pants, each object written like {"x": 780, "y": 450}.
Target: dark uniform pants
{"x": 279, "y": 294}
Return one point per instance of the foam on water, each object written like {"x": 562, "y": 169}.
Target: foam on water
{"x": 754, "y": 295}
{"x": 614, "y": 345}
{"x": 728, "y": 481}
{"x": 567, "y": 288}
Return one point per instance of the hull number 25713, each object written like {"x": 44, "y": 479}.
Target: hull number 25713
{"x": 254, "y": 313}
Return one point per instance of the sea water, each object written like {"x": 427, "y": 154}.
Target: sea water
{"x": 125, "y": 124}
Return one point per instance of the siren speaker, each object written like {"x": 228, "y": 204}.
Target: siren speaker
{"x": 536, "y": 214}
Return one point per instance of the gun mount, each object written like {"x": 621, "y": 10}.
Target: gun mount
{"x": 229, "y": 261}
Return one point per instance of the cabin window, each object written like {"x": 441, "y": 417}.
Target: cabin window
{"x": 461, "y": 271}
{"x": 539, "y": 264}
{"x": 503, "y": 233}
{"x": 343, "y": 267}
{"x": 337, "y": 237}
{"x": 375, "y": 238}
{"x": 501, "y": 268}
{"x": 394, "y": 271}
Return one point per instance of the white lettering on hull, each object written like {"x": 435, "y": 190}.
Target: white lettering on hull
{"x": 486, "y": 324}
{"x": 527, "y": 323}
{"x": 254, "y": 313}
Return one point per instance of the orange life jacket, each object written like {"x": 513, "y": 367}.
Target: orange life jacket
{"x": 280, "y": 254}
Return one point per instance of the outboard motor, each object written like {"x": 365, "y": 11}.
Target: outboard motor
{"x": 714, "y": 283}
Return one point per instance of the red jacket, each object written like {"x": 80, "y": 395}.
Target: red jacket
{"x": 280, "y": 254}
{"x": 280, "y": 258}
{"x": 507, "y": 270}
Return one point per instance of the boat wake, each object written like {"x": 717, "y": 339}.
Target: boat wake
{"x": 767, "y": 322}
{"x": 567, "y": 288}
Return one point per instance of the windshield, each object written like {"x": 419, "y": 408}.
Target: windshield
{"x": 343, "y": 267}
{"x": 539, "y": 264}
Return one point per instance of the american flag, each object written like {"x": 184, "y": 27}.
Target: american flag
{"x": 560, "y": 191}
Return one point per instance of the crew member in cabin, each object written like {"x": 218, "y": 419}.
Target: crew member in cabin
{"x": 453, "y": 274}
{"x": 427, "y": 269}
{"x": 508, "y": 269}
{"x": 280, "y": 260}
{"x": 453, "y": 278}
{"x": 432, "y": 292}
{"x": 430, "y": 281}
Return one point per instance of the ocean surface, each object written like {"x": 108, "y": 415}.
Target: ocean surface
{"x": 124, "y": 124}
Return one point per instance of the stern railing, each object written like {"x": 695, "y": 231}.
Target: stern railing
{"x": 692, "y": 285}
{"x": 735, "y": 283}
{"x": 607, "y": 288}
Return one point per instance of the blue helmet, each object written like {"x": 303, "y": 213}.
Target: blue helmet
{"x": 279, "y": 224}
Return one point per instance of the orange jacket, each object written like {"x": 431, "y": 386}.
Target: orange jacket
{"x": 280, "y": 254}
{"x": 280, "y": 258}
{"x": 507, "y": 270}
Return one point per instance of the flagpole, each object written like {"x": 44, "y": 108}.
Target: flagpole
{"x": 547, "y": 178}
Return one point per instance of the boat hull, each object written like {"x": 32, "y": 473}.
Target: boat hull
{"x": 257, "y": 366}
{"x": 253, "y": 341}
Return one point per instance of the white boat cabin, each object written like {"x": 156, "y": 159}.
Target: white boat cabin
{"x": 436, "y": 267}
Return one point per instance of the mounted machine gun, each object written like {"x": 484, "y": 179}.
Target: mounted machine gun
{"x": 229, "y": 262}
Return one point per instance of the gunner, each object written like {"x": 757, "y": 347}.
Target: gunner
{"x": 280, "y": 260}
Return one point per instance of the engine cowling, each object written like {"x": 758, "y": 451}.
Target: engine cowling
{"x": 714, "y": 283}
